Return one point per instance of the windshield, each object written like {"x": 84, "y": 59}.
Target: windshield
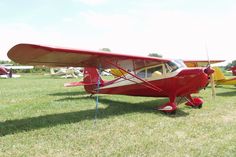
{"x": 174, "y": 65}
{"x": 171, "y": 66}
{"x": 180, "y": 63}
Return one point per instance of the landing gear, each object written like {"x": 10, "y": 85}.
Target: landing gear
{"x": 168, "y": 108}
{"x": 194, "y": 102}
{"x": 197, "y": 107}
{"x": 171, "y": 107}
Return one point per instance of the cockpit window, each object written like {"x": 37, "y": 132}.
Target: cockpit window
{"x": 151, "y": 72}
{"x": 154, "y": 70}
{"x": 171, "y": 66}
{"x": 141, "y": 73}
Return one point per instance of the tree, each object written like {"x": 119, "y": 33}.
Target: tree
{"x": 5, "y": 62}
{"x": 105, "y": 49}
{"x": 233, "y": 63}
{"x": 155, "y": 55}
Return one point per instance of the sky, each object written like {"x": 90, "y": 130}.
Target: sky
{"x": 176, "y": 29}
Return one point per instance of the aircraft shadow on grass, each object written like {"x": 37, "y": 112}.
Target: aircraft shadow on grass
{"x": 228, "y": 94}
{"x": 114, "y": 108}
{"x": 69, "y": 93}
{"x": 226, "y": 87}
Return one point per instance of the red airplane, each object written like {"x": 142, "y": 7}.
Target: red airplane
{"x": 233, "y": 68}
{"x": 144, "y": 76}
{"x": 3, "y": 71}
{"x": 6, "y": 70}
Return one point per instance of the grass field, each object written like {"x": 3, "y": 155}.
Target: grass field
{"x": 40, "y": 117}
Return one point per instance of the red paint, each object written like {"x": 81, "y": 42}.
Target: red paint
{"x": 61, "y": 57}
{"x": 233, "y": 70}
{"x": 3, "y": 71}
{"x": 187, "y": 81}
{"x": 181, "y": 84}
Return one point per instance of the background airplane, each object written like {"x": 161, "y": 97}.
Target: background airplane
{"x": 145, "y": 76}
{"x": 220, "y": 78}
{"x": 3, "y": 71}
{"x": 67, "y": 72}
{"x": 6, "y": 70}
{"x": 233, "y": 69}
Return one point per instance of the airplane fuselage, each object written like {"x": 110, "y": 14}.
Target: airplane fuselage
{"x": 182, "y": 82}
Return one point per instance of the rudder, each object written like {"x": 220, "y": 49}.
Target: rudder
{"x": 91, "y": 76}
{"x": 218, "y": 74}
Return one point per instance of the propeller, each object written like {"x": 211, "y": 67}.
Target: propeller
{"x": 210, "y": 72}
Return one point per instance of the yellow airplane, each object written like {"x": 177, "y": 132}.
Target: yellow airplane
{"x": 220, "y": 78}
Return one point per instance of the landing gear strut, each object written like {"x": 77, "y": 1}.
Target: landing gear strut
{"x": 170, "y": 107}
{"x": 194, "y": 102}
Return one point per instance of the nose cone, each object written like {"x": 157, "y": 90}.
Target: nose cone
{"x": 209, "y": 71}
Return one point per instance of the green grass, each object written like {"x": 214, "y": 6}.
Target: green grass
{"x": 40, "y": 117}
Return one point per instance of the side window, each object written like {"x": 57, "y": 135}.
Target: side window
{"x": 141, "y": 73}
{"x": 151, "y": 72}
{"x": 155, "y": 71}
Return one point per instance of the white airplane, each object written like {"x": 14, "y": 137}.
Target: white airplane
{"x": 70, "y": 72}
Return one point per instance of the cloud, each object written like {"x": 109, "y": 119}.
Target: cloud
{"x": 107, "y": 21}
{"x": 92, "y": 2}
{"x": 22, "y": 33}
{"x": 174, "y": 34}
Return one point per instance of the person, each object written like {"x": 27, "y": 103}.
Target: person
{"x": 10, "y": 73}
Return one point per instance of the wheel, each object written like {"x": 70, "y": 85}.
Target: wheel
{"x": 197, "y": 107}
{"x": 173, "y": 112}
{"x": 200, "y": 106}
{"x": 170, "y": 113}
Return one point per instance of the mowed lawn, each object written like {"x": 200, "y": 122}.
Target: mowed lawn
{"x": 40, "y": 117}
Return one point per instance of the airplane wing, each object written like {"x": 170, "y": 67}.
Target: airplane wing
{"x": 200, "y": 63}
{"x": 29, "y": 54}
{"x": 19, "y": 67}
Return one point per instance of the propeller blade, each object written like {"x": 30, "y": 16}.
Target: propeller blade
{"x": 213, "y": 91}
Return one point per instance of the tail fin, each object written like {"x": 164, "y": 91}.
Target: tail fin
{"x": 90, "y": 81}
{"x": 52, "y": 72}
{"x": 91, "y": 77}
{"x": 218, "y": 74}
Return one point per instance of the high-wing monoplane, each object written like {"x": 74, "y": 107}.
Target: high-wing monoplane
{"x": 6, "y": 70}
{"x": 220, "y": 78}
{"x": 233, "y": 69}
{"x": 3, "y": 71}
{"x": 144, "y": 76}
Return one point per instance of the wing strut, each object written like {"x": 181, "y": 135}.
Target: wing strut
{"x": 149, "y": 85}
